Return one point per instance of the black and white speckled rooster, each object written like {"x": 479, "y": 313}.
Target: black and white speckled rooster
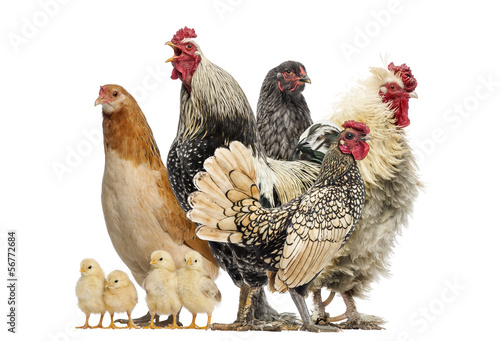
{"x": 215, "y": 111}
{"x": 392, "y": 185}
{"x": 282, "y": 111}
{"x": 297, "y": 239}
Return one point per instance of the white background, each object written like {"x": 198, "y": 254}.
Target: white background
{"x": 56, "y": 54}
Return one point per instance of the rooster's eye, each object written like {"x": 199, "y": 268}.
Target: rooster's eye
{"x": 115, "y": 93}
{"x": 189, "y": 46}
{"x": 349, "y": 136}
{"x": 393, "y": 87}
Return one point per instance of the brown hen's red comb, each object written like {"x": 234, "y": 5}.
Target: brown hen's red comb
{"x": 182, "y": 34}
{"x": 405, "y": 73}
{"x": 359, "y": 126}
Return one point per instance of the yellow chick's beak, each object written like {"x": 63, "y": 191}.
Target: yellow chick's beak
{"x": 152, "y": 261}
{"x": 189, "y": 262}
{"x": 82, "y": 269}
{"x": 172, "y": 45}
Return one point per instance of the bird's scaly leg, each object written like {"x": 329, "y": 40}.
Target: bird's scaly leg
{"x": 99, "y": 325}
{"x": 174, "y": 324}
{"x": 86, "y": 325}
{"x": 307, "y": 323}
{"x": 320, "y": 316}
{"x": 209, "y": 319}
{"x": 355, "y": 320}
{"x": 112, "y": 323}
{"x": 151, "y": 324}
{"x": 193, "y": 323}
{"x": 130, "y": 323}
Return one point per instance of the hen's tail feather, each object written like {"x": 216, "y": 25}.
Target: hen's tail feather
{"x": 226, "y": 188}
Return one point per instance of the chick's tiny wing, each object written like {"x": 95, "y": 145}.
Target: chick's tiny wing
{"x": 209, "y": 288}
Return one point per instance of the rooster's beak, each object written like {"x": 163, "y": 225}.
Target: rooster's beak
{"x": 172, "y": 45}
{"x": 367, "y": 137}
{"x": 305, "y": 79}
{"x": 413, "y": 94}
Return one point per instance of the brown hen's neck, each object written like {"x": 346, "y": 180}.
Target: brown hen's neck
{"x": 128, "y": 133}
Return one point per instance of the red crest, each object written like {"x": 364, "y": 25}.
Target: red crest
{"x": 359, "y": 126}
{"x": 405, "y": 73}
{"x": 182, "y": 34}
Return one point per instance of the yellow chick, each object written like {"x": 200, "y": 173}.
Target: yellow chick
{"x": 120, "y": 296}
{"x": 161, "y": 288}
{"x": 197, "y": 290}
{"x": 89, "y": 290}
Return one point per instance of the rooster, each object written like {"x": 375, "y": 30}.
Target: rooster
{"x": 297, "y": 239}
{"x": 141, "y": 212}
{"x": 215, "y": 111}
{"x": 392, "y": 185}
{"x": 282, "y": 111}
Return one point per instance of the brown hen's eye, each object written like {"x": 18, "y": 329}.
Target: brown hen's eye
{"x": 115, "y": 93}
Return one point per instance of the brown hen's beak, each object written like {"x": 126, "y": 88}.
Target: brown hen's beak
{"x": 172, "y": 45}
{"x": 98, "y": 101}
{"x": 413, "y": 94}
{"x": 305, "y": 79}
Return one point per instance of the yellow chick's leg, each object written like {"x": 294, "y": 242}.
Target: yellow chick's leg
{"x": 152, "y": 323}
{"x": 86, "y": 325}
{"x": 193, "y": 323}
{"x": 112, "y": 324}
{"x": 99, "y": 325}
{"x": 174, "y": 325}
{"x": 130, "y": 324}
{"x": 209, "y": 319}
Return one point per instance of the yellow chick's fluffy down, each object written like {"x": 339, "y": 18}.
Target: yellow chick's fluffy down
{"x": 198, "y": 292}
{"x": 120, "y": 296}
{"x": 161, "y": 288}
{"x": 89, "y": 291}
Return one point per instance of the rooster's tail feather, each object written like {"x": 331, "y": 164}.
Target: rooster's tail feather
{"x": 226, "y": 188}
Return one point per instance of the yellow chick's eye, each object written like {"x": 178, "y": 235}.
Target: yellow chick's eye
{"x": 116, "y": 281}
{"x": 196, "y": 261}
{"x": 90, "y": 267}
{"x": 161, "y": 259}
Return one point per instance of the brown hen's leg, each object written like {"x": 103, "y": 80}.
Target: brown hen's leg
{"x": 355, "y": 320}
{"x": 86, "y": 325}
{"x": 307, "y": 322}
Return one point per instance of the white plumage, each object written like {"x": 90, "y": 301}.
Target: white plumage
{"x": 198, "y": 292}
{"x": 89, "y": 290}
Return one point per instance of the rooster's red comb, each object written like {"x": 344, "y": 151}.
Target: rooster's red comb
{"x": 405, "y": 73}
{"x": 182, "y": 34}
{"x": 359, "y": 126}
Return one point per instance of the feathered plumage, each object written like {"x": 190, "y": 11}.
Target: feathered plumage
{"x": 392, "y": 185}
{"x": 120, "y": 295}
{"x": 282, "y": 111}
{"x": 215, "y": 111}
{"x": 141, "y": 212}
{"x": 295, "y": 240}
{"x": 89, "y": 290}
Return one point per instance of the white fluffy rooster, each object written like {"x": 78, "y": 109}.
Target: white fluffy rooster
{"x": 392, "y": 185}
